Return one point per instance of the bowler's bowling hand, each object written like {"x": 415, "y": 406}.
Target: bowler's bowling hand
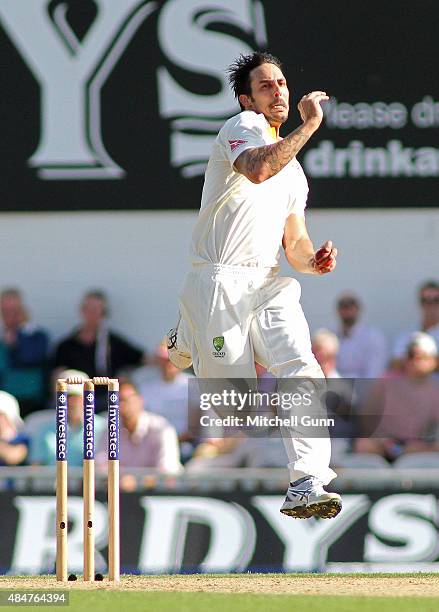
{"x": 310, "y": 110}
{"x": 324, "y": 259}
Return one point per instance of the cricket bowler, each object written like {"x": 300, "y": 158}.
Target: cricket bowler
{"x": 235, "y": 309}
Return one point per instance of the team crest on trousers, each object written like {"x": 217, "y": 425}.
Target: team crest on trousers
{"x": 218, "y": 344}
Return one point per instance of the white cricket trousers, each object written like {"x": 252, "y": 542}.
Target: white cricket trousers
{"x": 259, "y": 317}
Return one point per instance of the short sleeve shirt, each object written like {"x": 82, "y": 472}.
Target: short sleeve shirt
{"x": 242, "y": 223}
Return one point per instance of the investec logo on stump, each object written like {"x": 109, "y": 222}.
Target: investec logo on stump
{"x": 113, "y": 426}
{"x": 89, "y": 433}
{"x": 61, "y": 434}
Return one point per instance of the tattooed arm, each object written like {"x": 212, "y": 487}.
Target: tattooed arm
{"x": 261, "y": 163}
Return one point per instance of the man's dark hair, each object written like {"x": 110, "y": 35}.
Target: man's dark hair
{"x": 239, "y": 71}
{"x": 98, "y": 294}
{"x": 129, "y": 382}
{"x": 431, "y": 284}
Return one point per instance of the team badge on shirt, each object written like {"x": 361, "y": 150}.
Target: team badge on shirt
{"x": 234, "y": 144}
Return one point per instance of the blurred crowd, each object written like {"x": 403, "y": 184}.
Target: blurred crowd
{"x": 390, "y": 419}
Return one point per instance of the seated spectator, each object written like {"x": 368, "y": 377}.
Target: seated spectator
{"x": 147, "y": 440}
{"x": 325, "y": 347}
{"x": 166, "y": 393}
{"x": 339, "y": 396}
{"x": 429, "y": 321}
{"x": 43, "y": 440}
{"x": 362, "y": 350}
{"x": 13, "y": 443}
{"x": 23, "y": 353}
{"x": 93, "y": 346}
{"x": 402, "y": 414}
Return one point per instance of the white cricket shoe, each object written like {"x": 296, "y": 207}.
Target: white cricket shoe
{"x": 176, "y": 356}
{"x": 306, "y": 498}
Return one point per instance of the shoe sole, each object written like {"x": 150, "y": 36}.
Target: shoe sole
{"x": 325, "y": 510}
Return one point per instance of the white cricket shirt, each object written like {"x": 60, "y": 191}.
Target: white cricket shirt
{"x": 241, "y": 223}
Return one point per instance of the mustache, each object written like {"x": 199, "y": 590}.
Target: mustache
{"x": 279, "y": 103}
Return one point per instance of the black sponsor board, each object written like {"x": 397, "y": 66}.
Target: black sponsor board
{"x": 110, "y": 105}
{"x": 237, "y": 531}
